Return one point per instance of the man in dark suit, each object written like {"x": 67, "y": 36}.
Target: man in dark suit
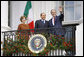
{"x": 42, "y": 23}
{"x": 56, "y": 22}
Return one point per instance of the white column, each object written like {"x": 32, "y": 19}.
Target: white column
{"x": 4, "y": 19}
{"x": 4, "y": 13}
{"x": 79, "y": 35}
{"x": 79, "y": 40}
{"x": 4, "y": 16}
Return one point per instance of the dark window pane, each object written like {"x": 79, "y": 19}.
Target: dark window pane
{"x": 9, "y": 13}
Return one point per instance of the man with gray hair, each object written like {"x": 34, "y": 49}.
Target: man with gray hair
{"x": 56, "y": 22}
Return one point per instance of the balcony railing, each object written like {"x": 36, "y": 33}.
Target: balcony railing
{"x": 14, "y": 41}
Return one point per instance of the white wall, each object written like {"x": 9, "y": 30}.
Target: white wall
{"x": 16, "y": 11}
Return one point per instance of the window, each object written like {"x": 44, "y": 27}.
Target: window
{"x": 73, "y": 10}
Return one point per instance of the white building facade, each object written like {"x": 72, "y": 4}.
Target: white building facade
{"x": 13, "y": 10}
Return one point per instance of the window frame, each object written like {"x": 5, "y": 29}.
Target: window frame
{"x": 78, "y": 21}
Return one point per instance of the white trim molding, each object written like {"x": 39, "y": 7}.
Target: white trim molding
{"x": 5, "y": 28}
{"x": 73, "y": 22}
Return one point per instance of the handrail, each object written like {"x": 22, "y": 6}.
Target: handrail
{"x": 34, "y": 29}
